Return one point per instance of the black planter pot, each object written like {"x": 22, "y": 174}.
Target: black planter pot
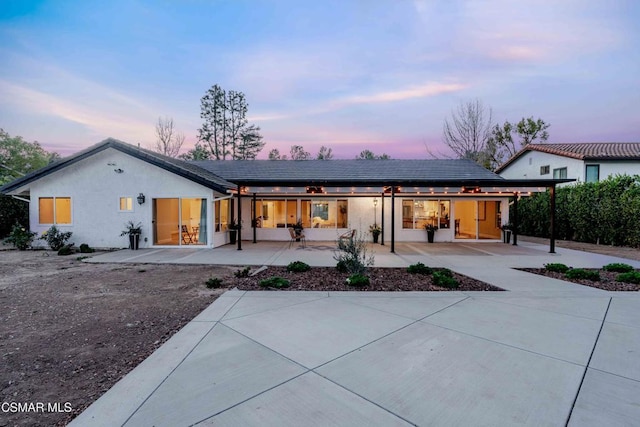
{"x": 506, "y": 236}
{"x": 375, "y": 237}
{"x": 134, "y": 241}
{"x": 430, "y": 235}
{"x": 232, "y": 236}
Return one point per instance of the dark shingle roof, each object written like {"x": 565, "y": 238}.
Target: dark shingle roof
{"x": 179, "y": 167}
{"x": 352, "y": 172}
{"x": 583, "y": 151}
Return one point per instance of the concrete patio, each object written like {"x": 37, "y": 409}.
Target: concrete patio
{"x": 547, "y": 352}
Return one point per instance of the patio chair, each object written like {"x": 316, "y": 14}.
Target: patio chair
{"x": 186, "y": 236}
{"x": 295, "y": 237}
{"x": 349, "y": 235}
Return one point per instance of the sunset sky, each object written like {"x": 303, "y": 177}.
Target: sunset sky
{"x": 352, "y": 75}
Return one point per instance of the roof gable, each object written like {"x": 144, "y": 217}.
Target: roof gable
{"x": 179, "y": 167}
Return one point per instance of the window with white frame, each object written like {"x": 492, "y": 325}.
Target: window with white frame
{"x": 54, "y": 210}
{"x": 125, "y": 204}
{"x": 418, "y": 213}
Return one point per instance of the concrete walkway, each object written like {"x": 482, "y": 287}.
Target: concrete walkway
{"x": 547, "y": 352}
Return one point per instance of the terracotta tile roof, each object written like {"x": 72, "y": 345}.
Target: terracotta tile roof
{"x": 593, "y": 150}
{"x": 583, "y": 151}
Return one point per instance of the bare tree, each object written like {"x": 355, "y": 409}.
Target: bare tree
{"x": 468, "y": 131}
{"x": 168, "y": 140}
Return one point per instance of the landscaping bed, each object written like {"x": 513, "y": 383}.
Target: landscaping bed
{"x": 608, "y": 280}
{"x": 381, "y": 279}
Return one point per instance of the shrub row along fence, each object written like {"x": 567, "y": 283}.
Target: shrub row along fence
{"x": 605, "y": 212}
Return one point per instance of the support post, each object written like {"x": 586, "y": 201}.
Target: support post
{"x": 552, "y": 219}
{"x": 393, "y": 219}
{"x": 253, "y": 220}
{"x": 515, "y": 219}
{"x": 239, "y": 195}
{"x": 382, "y": 219}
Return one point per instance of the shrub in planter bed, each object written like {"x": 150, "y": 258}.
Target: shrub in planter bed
{"x": 298, "y": 267}
{"x": 579, "y": 273}
{"x": 618, "y": 267}
{"x": 419, "y": 268}
{"x": 242, "y": 273}
{"x": 444, "y": 278}
{"x": 358, "y": 280}
{"x": 556, "y": 267}
{"x": 274, "y": 282}
{"x": 214, "y": 283}
{"x": 629, "y": 277}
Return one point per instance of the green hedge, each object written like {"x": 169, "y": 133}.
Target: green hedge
{"x": 605, "y": 212}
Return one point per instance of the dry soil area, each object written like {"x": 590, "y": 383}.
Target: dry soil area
{"x": 70, "y": 330}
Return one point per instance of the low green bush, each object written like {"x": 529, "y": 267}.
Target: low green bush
{"x": 358, "y": 280}
{"x": 556, "y": 267}
{"x": 618, "y": 267}
{"x": 444, "y": 278}
{"x": 298, "y": 267}
{"x": 242, "y": 273}
{"x": 419, "y": 268}
{"x": 20, "y": 237}
{"x": 66, "y": 250}
{"x": 86, "y": 249}
{"x": 214, "y": 283}
{"x": 55, "y": 238}
{"x": 582, "y": 274}
{"x": 341, "y": 266}
{"x": 629, "y": 277}
{"x": 274, "y": 282}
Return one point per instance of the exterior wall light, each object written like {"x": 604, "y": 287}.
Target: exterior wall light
{"x": 141, "y": 199}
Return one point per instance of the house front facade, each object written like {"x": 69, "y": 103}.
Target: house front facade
{"x": 582, "y": 162}
{"x": 96, "y": 192}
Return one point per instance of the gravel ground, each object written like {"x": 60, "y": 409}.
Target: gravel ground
{"x": 607, "y": 280}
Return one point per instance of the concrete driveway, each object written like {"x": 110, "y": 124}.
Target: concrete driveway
{"x": 546, "y": 352}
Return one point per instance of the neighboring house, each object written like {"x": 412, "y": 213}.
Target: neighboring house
{"x": 96, "y": 191}
{"x": 583, "y": 162}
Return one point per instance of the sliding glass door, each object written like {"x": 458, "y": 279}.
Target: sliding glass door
{"x": 179, "y": 221}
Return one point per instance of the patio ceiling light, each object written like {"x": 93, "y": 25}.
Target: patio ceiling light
{"x": 474, "y": 190}
{"x": 315, "y": 190}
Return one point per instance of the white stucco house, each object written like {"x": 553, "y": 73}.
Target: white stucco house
{"x": 583, "y": 162}
{"x": 193, "y": 204}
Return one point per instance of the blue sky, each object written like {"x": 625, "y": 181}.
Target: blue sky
{"x": 381, "y": 75}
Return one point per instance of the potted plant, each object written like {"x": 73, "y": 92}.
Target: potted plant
{"x": 375, "y": 231}
{"x": 234, "y": 226}
{"x": 506, "y": 232}
{"x": 133, "y": 231}
{"x": 431, "y": 232}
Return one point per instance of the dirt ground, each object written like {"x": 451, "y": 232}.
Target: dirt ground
{"x": 70, "y": 330}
